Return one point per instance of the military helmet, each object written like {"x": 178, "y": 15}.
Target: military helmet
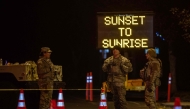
{"x": 45, "y": 50}
{"x": 152, "y": 52}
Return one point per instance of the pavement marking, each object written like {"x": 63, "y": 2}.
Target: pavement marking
{"x": 134, "y": 102}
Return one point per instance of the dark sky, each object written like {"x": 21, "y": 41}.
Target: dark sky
{"x": 67, "y": 27}
{"x": 27, "y": 26}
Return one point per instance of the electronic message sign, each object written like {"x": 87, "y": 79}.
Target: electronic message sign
{"x": 127, "y": 29}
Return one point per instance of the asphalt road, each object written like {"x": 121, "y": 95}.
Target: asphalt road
{"x": 80, "y": 103}
{"x": 73, "y": 99}
{"x": 77, "y": 100}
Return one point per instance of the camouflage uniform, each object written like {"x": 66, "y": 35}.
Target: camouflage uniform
{"x": 45, "y": 73}
{"x": 117, "y": 69}
{"x": 150, "y": 74}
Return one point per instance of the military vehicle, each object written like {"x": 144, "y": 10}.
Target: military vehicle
{"x": 25, "y": 75}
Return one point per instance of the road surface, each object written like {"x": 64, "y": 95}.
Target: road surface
{"x": 72, "y": 100}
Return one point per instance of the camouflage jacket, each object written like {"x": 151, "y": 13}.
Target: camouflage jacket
{"x": 117, "y": 68}
{"x": 151, "y": 71}
{"x": 45, "y": 68}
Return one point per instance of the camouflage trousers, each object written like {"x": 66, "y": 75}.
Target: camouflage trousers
{"x": 45, "y": 95}
{"x": 150, "y": 98}
{"x": 118, "y": 90}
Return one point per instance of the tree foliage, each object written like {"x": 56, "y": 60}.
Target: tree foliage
{"x": 183, "y": 16}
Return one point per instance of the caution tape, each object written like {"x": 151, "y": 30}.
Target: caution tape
{"x": 43, "y": 89}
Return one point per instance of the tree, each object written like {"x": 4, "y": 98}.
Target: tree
{"x": 176, "y": 23}
{"x": 166, "y": 24}
{"x": 183, "y": 21}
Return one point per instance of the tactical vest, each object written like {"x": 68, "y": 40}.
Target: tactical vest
{"x": 115, "y": 73}
{"x": 147, "y": 69}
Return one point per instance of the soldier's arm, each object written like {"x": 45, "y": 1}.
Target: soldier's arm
{"x": 51, "y": 65}
{"x": 143, "y": 70}
{"x": 154, "y": 72}
{"x": 105, "y": 65}
{"x": 127, "y": 66}
{"x": 42, "y": 68}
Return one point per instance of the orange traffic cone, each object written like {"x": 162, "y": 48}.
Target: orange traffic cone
{"x": 21, "y": 101}
{"x": 177, "y": 104}
{"x": 103, "y": 103}
{"x": 60, "y": 101}
{"x": 53, "y": 104}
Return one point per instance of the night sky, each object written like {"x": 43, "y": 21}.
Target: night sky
{"x": 69, "y": 28}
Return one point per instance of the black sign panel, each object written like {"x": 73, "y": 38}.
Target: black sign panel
{"x": 127, "y": 29}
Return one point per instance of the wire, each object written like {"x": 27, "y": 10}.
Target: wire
{"x": 43, "y": 89}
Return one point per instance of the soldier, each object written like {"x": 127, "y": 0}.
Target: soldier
{"x": 45, "y": 74}
{"x": 117, "y": 67}
{"x": 150, "y": 74}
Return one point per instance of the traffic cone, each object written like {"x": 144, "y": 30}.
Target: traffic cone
{"x": 177, "y": 104}
{"x": 60, "y": 101}
{"x": 53, "y": 104}
{"x": 103, "y": 103}
{"x": 21, "y": 100}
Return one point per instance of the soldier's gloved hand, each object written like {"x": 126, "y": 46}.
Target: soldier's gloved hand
{"x": 52, "y": 68}
{"x": 142, "y": 73}
{"x": 123, "y": 66}
{"x": 149, "y": 86}
{"x": 109, "y": 65}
